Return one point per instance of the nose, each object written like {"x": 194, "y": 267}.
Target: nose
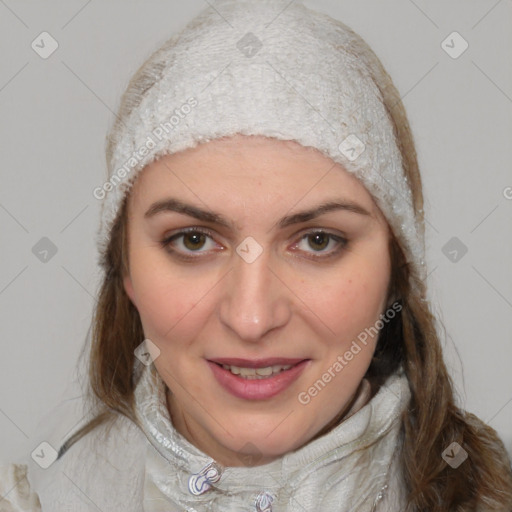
{"x": 255, "y": 301}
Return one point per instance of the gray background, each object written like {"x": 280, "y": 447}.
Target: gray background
{"x": 55, "y": 113}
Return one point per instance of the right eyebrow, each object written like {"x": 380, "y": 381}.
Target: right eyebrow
{"x": 174, "y": 205}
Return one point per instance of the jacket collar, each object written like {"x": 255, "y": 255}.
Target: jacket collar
{"x": 195, "y": 474}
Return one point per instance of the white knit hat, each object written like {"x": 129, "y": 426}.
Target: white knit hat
{"x": 262, "y": 67}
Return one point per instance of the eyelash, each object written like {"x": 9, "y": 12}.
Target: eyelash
{"x": 166, "y": 242}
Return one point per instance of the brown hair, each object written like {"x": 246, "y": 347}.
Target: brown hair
{"x": 432, "y": 421}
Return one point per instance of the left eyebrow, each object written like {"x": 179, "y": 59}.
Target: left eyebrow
{"x": 322, "y": 209}
{"x": 174, "y": 205}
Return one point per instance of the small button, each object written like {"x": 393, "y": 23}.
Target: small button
{"x": 201, "y": 482}
{"x": 264, "y": 502}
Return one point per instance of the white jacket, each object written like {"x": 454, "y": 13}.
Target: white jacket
{"x": 123, "y": 468}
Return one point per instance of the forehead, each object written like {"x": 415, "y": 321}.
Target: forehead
{"x": 250, "y": 169}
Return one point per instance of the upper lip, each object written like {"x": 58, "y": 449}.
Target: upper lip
{"x": 257, "y": 363}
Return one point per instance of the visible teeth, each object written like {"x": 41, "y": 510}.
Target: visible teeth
{"x": 247, "y": 372}
{"x": 256, "y": 373}
{"x": 265, "y": 371}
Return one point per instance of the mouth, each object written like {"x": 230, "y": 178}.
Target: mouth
{"x": 257, "y": 379}
{"x": 257, "y": 368}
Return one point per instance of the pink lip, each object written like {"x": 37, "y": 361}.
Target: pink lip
{"x": 257, "y": 389}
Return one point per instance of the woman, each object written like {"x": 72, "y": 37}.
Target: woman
{"x": 262, "y": 339}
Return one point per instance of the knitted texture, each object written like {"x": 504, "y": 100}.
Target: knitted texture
{"x": 269, "y": 68}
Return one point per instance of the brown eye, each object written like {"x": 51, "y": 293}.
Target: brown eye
{"x": 323, "y": 243}
{"x": 194, "y": 240}
{"x": 190, "y": 244}
{"x": 319, "y": 241}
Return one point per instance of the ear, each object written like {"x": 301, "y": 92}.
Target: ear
{"x": 128, "y": 288}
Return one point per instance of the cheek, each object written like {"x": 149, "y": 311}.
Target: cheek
{"x": 171, "y": 304}
{"x": 159, "y": 296}
{"x": 352, "y": 303}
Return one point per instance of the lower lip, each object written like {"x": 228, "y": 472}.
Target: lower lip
{"x": 257, "y": 389}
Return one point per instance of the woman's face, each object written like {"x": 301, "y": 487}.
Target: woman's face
{"x": 237, "y": 270}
